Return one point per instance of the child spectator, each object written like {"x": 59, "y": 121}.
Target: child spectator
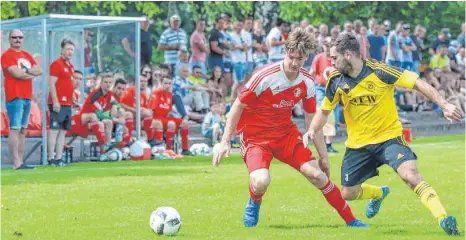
{"x": 214, "y": 123}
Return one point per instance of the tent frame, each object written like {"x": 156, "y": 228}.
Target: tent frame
{"x": 73, "y": 23}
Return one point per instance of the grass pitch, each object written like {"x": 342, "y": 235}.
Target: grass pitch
{"x": 115, "y": 200}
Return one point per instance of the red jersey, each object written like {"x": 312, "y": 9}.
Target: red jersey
{"x": 129, "y": 97}
{"x": 97, "y": 100}
{"x": 64, "y": 71}
{"x": 161, "y": 103}
{"x": 321, "y": 64}
{"x": 270, "y": 99}
{"x": 17, "y": 88}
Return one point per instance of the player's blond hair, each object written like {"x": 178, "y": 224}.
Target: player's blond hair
{"x": 302, "y": 41}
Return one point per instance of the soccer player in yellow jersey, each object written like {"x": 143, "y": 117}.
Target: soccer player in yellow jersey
{"x": 366, "y": 89}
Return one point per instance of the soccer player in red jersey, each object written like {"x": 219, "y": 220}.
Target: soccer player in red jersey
{"x": 98, "y": 113}
{"x": 128, "y": 102}
{"x": 262, "y": 118}
{"x": 118, "y": 90}
{"x": 60, "y": 102}
{"x": 161, "y": 103}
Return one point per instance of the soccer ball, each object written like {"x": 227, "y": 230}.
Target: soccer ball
{"x": 114, "y": 155}
{"x": 125, "y": 152}
{"x": 200, "y": 149}
{"x": 165, "y": 221}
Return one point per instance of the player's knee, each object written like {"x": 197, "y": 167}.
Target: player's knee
{"x": 128, "y": 115}
{"x": 410, "y": 175}
{"x": 260, "y": 183}
{"x": 157, "y": 124}
{"x": 349, "y": 193}
{"x": 92, "y": 117}
{"x": 171, "y": 125}
{"x": 107, "y": 123}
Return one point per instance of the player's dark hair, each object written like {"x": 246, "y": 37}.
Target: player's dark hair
{"x": 66, "y": 41}
{"x": 194, "y": 67}
{"x": 347, "y": 42}
{"x": 78, "y": 72}
{"x": 120, "y": 81}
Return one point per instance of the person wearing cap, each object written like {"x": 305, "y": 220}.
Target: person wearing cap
{"x": 172, "y": 40}
{"x": 387, "y": 25}
{"x": 146, "y": 43}
{"x": 407, "y": 47}
{"x": 442, "y": 39}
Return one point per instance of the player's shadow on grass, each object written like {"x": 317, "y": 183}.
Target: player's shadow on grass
{"x": 291, "y": 226}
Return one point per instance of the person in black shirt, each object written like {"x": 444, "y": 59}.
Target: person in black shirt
{"x": 443, "y": 39}
{"x": 146, "y": 43}
{"x": 217, "y": 48}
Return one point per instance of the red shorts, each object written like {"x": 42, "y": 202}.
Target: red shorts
{"x": 77, "y": 127}
{"x": 165, "y": 121}
{"x": 258, "y": 151}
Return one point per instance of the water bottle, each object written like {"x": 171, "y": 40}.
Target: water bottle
{"x": 118, "y": 132}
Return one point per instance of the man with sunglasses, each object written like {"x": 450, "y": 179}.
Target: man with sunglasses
{"x": 19, "y": 68}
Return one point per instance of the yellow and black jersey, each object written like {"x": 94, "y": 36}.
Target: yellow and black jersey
{"x": 368, "y": 101}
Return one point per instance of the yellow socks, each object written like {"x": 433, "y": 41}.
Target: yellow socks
{"x": 369, "y": 192}
{"x": 431, "y": 200}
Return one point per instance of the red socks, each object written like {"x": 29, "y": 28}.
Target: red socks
{"x": 129, "y": 124}
{"x": 169, "y": 138}
{"x": 94, "y": 126}
{"x": 255, "y": 198}
{"x": 334, "y": 198}
{"x": 184, "y": 138}
{"x": 158, "y": 134}
{"x": 147, "y": 123}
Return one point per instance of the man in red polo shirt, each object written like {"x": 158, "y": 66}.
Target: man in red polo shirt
{"x": 128, "y": 102}
{"x": 60, "y": 101}
{"x": 161, "y": 103}
{"x": 19, "y": 68}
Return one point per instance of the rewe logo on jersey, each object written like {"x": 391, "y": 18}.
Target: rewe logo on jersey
{"x": 367, "y": 100}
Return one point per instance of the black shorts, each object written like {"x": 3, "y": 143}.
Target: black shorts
{"x": 62, "y": 119}
{"x": 361, "y": 164}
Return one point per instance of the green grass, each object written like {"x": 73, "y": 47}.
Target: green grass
{"x": 115, "y": 200}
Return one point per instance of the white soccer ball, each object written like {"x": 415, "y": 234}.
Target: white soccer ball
{"x": 165, "y": 221}
{"x": 125, "y": 152}
{"x": 158, "y": 149}
{"x": 114, "y": 155}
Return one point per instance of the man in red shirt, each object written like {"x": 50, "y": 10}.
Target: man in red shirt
{"x": 262, "y": 118}
{"x": 119, "y": 90}
{"x": 320, "y": 70}
{"x": 60, "y": 101}
{"x": 161, "y": 103}
{"x": 19, "y": 68}
{"x": 98, "y": 113}
{"x": 128, "y": 102}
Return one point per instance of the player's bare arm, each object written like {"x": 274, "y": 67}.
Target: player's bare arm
{"x": 450, "y": 111}
{"x": 319, "y": 143}
{"x": 316, "y": 125}
{"x": 53, "y": 93}
{"x": 232, "y": 122}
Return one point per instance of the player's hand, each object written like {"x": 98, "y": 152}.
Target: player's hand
{"x": 222, "y": 150}
{"x": 56, "y": 107}
{"x": 324, "y": 166}
{"x": 309, "y": 134}
{"x": 452, "y": 113}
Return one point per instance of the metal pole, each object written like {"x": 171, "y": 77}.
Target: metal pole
{"x": 45, "y": 73}
{"x": 137, "y": 58}
{"x": 81, "y": 96}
